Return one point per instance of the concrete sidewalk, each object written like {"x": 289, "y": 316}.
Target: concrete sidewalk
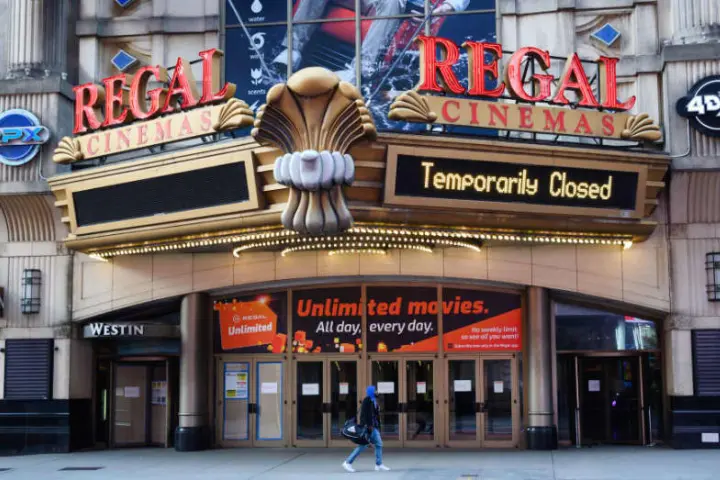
{"x": 626, "y": 463}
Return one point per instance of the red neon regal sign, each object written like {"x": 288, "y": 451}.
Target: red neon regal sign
{"x": 479, "y": 106}
{"x": 120, "y": 105}
{"x": 573, "y": 77}
{"x": 121, "y": 114}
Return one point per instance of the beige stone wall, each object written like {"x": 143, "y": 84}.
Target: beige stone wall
{"x": 637, "y": 276}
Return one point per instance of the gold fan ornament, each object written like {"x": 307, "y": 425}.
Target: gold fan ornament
{"x": 315, "y": 118}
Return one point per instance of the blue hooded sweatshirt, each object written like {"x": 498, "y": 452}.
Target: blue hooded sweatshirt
{"x": 371, "y": 393}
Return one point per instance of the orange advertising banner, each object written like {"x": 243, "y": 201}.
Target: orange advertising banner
{"x": 252, "y": 325}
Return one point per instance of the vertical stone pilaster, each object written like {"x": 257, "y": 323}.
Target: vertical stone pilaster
{"x": 541, "y": 430}
{"x": 25, "y": 46}
{"x": 193, "y": 432}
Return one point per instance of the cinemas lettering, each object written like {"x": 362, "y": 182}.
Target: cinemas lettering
{"x": 467, "y": 181}
{"x": 483, "y": 103}
{"x": 175, "y": 110}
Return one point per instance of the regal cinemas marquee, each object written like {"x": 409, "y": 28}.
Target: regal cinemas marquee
{"x": 306, "y": 232}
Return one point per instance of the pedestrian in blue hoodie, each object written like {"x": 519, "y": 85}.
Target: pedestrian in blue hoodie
{"x": 370, "y": 418}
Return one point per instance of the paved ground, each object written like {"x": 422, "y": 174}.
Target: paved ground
{"x": 625, "y": 463}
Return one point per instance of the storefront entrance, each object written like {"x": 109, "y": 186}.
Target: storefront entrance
{"x": 326, "y": 393}
{"x": 611, "y": 399}
{"x": 424, "y": 402}
{"x": 251, "y": 395}
{"x": 408, "y": 399}
{"x": 140, "y": 415}
{"x": 482, "y": 402}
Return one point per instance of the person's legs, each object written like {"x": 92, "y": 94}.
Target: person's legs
{"x": 355, "y": 453}
{"x": 377, "y": 442}
{"x": 307, "y": 10}
{"x": 380, "y": 32}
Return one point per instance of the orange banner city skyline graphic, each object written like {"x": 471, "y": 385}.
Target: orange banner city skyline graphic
{"x": 249, "y": 324}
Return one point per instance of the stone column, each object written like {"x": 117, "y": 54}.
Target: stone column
{"x": 25, "y": 43}
{"x": 541, "y": 430}
{"x": 193, "y": 432}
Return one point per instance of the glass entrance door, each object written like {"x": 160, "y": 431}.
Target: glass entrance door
{"x": 251, "y": 394}
{"x": 325, "y": 396}
{"x": 481, "y": 402}
{"x": 408, "y": 399}
{"x": 610, "y": 400}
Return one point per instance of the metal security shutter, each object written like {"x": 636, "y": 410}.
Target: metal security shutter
{"x": 28, "y": 369}
{"x": 707, "y": 362}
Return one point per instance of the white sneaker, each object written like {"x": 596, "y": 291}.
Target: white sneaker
{"x": 282, "y": 58}
{"x": 348, "y": 467}
{"x": 381, "y": 468}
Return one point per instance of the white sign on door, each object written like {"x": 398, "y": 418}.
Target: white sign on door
{"x": 463, "y": 385}
{"x": 498, "y": 387}
{"x": 268, "y": 387}
{"x": 421, "y": 387}
{"x": 593, "y": 385}
{"x": 386, "y": 387}
{"x": 310, "y": 389}
{"x": 344, "y": 388}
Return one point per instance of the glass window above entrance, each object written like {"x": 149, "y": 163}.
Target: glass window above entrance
{"x": 585, "y": 329}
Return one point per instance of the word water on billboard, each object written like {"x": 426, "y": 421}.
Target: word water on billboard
{"x": 21, "y": 136}
{"x": 702, "y": 106}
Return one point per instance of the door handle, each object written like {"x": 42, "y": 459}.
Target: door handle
{"x": 326, "y": 408}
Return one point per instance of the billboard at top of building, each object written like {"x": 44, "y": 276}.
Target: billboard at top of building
{"x": 258, "y": 48}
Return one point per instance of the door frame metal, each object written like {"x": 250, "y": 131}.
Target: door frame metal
{"x": 252, "y": 361}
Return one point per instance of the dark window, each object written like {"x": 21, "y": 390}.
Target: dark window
{"x": 706, "y": 353}
{"x": 207, "y": 187}
{"x": 28, "y": 369}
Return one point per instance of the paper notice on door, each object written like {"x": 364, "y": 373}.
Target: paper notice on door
{"x": 241, "y": 383}
{"x": 132, "y": 392}
{"x": 463, "y": 385}
{"x": 498, "y": 387}
{"x": 119, "y": 392}
{"x": 310, "y": 389}
{"x": 421, "y": 387}
{"x": 268, "y": 388}
{"x": 593, "y": 385}
{"x": 344, "y": 388}
{"x": 386, "y": 387}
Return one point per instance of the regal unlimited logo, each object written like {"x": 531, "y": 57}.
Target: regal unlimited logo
{"x": 702, "y": 106}
{"x": 21, "y": 136}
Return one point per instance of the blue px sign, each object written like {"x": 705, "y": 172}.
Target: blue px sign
{"x": 20, "y": 137}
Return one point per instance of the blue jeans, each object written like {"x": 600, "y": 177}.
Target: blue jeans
{"x": 375, "y": 440}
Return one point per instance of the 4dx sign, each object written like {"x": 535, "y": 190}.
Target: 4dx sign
{"x": 702, "y": 106}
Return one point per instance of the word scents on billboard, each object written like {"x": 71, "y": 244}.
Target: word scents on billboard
{"x": 20, "y": 137}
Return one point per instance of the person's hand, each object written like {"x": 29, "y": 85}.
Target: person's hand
{"x": 441, "y": 9}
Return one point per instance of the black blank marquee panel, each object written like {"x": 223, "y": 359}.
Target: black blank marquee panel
{"x": 208, "y": 187}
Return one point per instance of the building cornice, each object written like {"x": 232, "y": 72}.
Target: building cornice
{"x": 30, "y": 86}
{"x": 146, "y": 26}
